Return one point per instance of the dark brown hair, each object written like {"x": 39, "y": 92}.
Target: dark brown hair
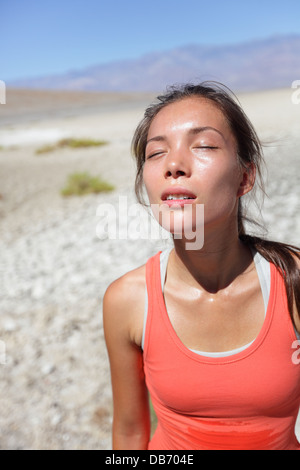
{"x": 249, "y": 147}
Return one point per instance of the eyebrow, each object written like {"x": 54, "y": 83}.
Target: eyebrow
{"x": 193, "y": 131}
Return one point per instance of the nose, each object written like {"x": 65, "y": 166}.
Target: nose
{"x": 176, "y": 165}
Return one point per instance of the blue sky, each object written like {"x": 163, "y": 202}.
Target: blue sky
{"x": 41, "y": 37}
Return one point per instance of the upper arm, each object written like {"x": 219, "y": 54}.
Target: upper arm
{"x": 131, "y": 426}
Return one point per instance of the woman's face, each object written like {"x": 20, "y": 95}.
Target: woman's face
{"x": 191, "y": 158}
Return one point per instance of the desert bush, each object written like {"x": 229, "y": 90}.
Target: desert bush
{"x": 79, "y": 184}
{"x": 71, "y": 143}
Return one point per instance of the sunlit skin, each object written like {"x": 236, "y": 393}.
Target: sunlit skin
{"x": 212, "y": 295}
{"x": 190, "y": 145}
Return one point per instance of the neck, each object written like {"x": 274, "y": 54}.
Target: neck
{"x": 215, "y": 266}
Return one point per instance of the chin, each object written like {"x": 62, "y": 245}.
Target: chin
{"x": 183, "y": 223}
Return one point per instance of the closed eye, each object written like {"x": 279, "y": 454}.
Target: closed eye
{"x": 206, "y": 147}
{"x": 154, "y": 154}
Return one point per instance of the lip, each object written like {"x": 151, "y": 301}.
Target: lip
{"x": 176, "y": 190}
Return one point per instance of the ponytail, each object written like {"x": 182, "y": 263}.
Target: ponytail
{"x": 283, "y": 256}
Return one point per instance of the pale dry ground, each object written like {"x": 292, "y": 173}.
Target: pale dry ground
{"x": 54, "y": 383}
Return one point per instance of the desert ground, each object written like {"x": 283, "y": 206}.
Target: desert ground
{"x": 55, "y": 267}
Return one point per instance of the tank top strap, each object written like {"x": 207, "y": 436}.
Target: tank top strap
{"x": 164, "y": 258}
{"x": 156, "y": 269}
{"x": 150, "y": 281}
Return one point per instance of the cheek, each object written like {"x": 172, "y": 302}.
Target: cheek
{"x": 151, "y": 182}
{"x": 219, "y": 175}
{"x": 220, "y": 186}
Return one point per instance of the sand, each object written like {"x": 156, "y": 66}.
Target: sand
{"x": 54, "y": 269}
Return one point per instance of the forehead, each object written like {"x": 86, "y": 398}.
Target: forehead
{"x": 188, "y": 113}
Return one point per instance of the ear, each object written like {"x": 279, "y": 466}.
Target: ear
{"x": 247, "y": 179}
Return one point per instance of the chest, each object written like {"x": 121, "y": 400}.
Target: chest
{"x": 228, "y": 389}
{"x": 262, "y": 380}
{"x": 216, "y": 323}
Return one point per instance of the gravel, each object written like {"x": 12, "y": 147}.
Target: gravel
{"x": 54, "y": 269}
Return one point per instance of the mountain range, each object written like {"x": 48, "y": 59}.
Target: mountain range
{"x": 261, "y": 64}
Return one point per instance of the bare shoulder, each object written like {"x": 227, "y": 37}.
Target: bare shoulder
{"x": 123, "y": 304}
{"x": 127, "y": 288}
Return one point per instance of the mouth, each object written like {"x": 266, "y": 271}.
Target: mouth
{"x": 177, "y": 193}
{"x": 173, "y": 197}
{"x": 177, "y": 196}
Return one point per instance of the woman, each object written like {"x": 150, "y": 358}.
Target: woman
{"x": 213, "y": 341}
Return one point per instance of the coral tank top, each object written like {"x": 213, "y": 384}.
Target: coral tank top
{"x": 245, "y": 401}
